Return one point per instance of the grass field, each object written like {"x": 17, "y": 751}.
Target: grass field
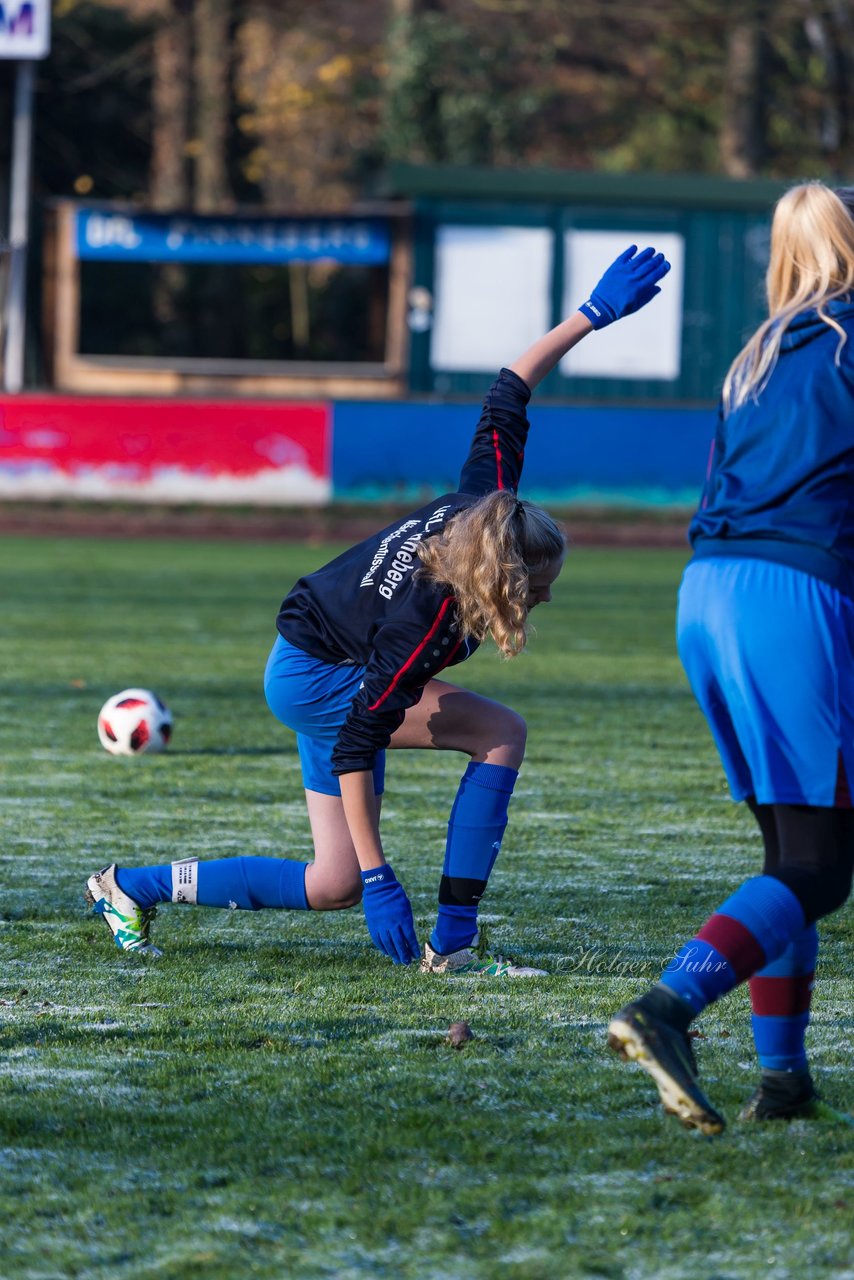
{"x": 273, "y": 1099}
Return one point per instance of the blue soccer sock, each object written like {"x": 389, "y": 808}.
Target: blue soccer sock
{"x": 747, "y": 932}
{"x": 249, "y": 884}
{"x": 780, "y": 997}
{"x": 476, "y": 825}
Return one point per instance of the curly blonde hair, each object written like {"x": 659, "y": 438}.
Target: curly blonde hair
{"x": 812, "y": 262}
{"x": 486, "y": 554}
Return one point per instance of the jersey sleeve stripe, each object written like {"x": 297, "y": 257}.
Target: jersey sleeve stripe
{"x": 413, "y": 657}
{"x": 498, "y": 460}
{"x": 709, "y": 466}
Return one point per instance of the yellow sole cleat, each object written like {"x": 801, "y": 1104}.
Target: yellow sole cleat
{"x": 665, "y": 1054}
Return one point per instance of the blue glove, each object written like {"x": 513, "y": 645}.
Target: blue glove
{"x": 388, "y": 915}
{"x": 629, "y": 284}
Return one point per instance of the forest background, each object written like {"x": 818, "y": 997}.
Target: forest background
{"x": 215, "y": 105}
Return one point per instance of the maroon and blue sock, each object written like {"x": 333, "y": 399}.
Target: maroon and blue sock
{"x": 780, "y": 997}
{"x": 747, "y": 932}
{"x": 249, "y": 884}
{"x": 475, "y": 828}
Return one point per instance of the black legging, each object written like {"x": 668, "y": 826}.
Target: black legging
{"x": 811, "y": 850}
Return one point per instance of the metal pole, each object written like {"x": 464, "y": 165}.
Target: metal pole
{"x": 16, "y": 300}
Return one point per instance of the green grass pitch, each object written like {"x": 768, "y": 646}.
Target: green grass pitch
{"x": 273, "y": 1099}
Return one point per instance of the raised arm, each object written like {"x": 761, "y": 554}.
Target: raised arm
{"x": 630, "y": 283}
{"x": 542, "y": 357}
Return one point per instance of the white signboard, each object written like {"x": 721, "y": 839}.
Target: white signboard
{"x": 645, "y": 345}
{"x": 24, "y": 29}
{"x": 492, "y": 295}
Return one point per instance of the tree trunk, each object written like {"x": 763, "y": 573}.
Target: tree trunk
{"x": 406, "y": 15}
{"x": 742, "y": 139}
{"x": 170, "y": 108}
{"x": 212, "y": 191}
{"x": 831, "y": 37}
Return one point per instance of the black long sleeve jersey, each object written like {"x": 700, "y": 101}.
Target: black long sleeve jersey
{"x": 367, "y": 608}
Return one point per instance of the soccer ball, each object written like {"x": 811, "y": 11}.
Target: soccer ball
{"x": 134, "y": 721}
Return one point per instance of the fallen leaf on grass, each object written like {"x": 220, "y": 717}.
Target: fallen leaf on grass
{"x": 458, "y": 1034}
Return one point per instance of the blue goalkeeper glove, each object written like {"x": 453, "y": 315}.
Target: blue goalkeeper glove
{"x": 388, "y": 915}
{"x": 630, "y": 283}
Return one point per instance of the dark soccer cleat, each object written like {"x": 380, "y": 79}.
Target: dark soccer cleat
{"x": 665, "y": 1053}
{"x": 781, "y": 1103}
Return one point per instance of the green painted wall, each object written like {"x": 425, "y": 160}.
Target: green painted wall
{"x": 724, "y": 225}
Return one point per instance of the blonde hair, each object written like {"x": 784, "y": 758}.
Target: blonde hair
{"x": 485, "y": 554}
{"x": 812, "y": 262}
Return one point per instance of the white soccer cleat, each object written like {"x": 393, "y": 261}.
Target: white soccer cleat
{"x": 127, "y": 921}
{"x": 477, "y": 964}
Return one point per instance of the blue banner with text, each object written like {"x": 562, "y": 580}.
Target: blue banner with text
{"x": 108, "y": 236}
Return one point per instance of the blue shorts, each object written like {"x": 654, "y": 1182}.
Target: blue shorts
{"x": 769, "y": 653}
{"x": 313, "y": 698}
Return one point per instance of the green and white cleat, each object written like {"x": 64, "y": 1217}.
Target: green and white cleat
{"x": 476, "y": 962}
{"x": 665, "y": 1053}
{"x": 127, "y": 921}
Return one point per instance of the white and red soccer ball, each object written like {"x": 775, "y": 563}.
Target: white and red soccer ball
{"x": 133, "y": 722}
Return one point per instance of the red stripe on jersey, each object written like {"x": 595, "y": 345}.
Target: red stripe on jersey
{"x": 781, "y": 997}
{"x": 446, "y": 604}
{"x": 735, "y": 943}
{"x": 498, "y": 460}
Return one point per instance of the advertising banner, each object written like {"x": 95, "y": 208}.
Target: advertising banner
{"x": 108, "y": 236}
{"x": 222, "y": 452}
{"x": 592, "y": 454}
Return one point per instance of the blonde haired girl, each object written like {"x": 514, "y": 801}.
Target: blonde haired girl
{"x": 354, "y": 670}
{"x": 766, "y": 636}
{"x": 487, "y": 555}
{"x": 811, "y": 266}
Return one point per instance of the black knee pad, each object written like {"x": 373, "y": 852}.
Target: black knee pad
{"x": 819, "y": 892}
